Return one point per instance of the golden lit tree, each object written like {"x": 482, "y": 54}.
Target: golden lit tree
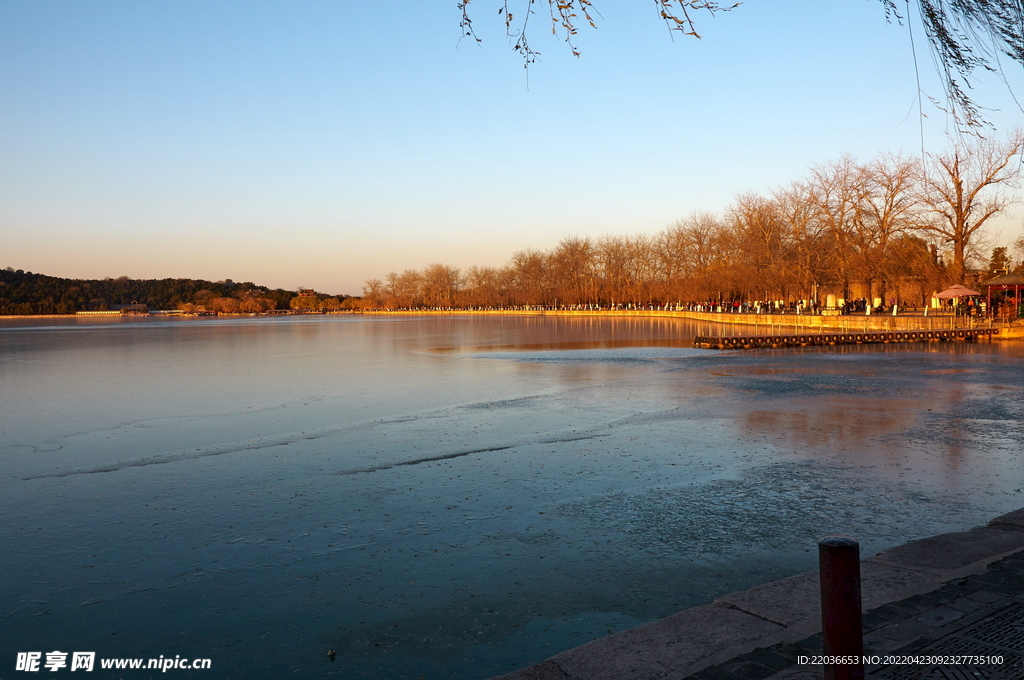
{"x": 964, "y": 188}
{"x": 440, "y": 285}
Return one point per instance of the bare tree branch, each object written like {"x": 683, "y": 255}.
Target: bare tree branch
{"x": 965, "y": 35}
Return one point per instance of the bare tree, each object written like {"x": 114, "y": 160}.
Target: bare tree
{"x": 1018, "y": 247}
{"x": 762, "y": 235}
{"x": 913, "y": 269}
{"x": 572, "y": 265}
{"x": 403, "y": 290}
{"x": 392, "y": 290}
{"x": 641, "y": 268}
{"x": 837, "y": 190}
{"x": 529, "y": 271}
{"x": 965, "y": 187}
{"x": 441, "y": 285}
{"x": 703, "y": 249}
{"x": 612, "y": 269}
{"x": 809, "y": 246}
{"x": 889, "y": 201}
{"x": 373, "y": 292}
{"x": 482, "y": 287}
{"x": 671, "y": 261}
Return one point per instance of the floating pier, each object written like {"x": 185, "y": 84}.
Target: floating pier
{"x": 866, "y": 338}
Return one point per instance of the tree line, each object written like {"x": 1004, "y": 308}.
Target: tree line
{"x": 24, "y": 292}
{"x": 893, "y": 227}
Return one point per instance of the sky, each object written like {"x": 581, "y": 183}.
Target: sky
{"x": 324, "y": 143}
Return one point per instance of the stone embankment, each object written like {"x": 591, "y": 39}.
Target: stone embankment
{"x": 854, "y": 323}
{"x": 761, "y": 323}
{"x": 766, "y": 324}
{"x": 958, "y": 591}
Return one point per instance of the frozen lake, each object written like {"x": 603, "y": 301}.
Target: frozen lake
{"x": 455, "y": 497}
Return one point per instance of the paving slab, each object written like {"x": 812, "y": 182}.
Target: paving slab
{"x": 882, "y": 583}
{"x": 785, "y": 602}
{"x": 654, "y": 650}
{"x": 956, "y": 550}
{"x": 791, "y": 600}
{"x": 941, "y": 616}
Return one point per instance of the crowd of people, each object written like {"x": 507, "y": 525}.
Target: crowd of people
{"x": 968, "y": 306}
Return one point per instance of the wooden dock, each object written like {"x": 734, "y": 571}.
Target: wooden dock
{"x": 867, "y": 338}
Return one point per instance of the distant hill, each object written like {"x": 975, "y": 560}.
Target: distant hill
{"x": 23, "y": 292}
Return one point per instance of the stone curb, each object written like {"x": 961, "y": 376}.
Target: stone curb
{"x": 784, "y": 611}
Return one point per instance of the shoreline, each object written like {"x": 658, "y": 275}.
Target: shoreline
{"x": 760, "y": 323}
{"x": 186, "y": 315}
{"x": 752, "y": 626}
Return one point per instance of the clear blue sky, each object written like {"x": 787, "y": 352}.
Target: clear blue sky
{"x": 324, "y": 143}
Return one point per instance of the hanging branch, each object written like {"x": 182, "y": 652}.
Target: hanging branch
{"x": 965, "y": 35}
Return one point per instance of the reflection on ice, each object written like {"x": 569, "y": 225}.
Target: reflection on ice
{"x": 621, "y": 354}
{"x": 771, "y": 509}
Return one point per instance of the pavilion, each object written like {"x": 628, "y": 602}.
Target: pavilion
{"x": 1005, "y": 283}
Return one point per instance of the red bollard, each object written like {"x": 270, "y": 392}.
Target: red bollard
{"x": 842, "y": 635}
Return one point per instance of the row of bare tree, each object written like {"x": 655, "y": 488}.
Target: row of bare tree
{"x": 892, "y": 227}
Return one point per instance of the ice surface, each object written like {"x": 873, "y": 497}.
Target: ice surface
{"x": 454, "y": 497}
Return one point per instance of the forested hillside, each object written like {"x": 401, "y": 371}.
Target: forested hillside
{"x": 23, "y": 292}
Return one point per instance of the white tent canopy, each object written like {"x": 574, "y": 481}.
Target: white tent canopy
{"x": 955, "y": 292}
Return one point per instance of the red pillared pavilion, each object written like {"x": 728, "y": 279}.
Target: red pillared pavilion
{"x": 1009, "y": 284}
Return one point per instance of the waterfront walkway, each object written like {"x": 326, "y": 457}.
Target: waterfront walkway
{"x": 955, "y": 594}
{"x": 765, "y": 324}
{"x": 854, "y": 323}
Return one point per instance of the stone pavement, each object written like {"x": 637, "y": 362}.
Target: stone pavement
{"x": 956, "y": 594}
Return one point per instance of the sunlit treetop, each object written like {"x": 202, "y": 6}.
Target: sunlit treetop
{"x": 964, "y": 35}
